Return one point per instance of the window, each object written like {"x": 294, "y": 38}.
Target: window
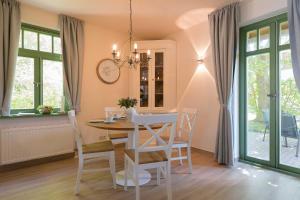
{"x": 269, "y": 97}
{"x": 39, "y": 70}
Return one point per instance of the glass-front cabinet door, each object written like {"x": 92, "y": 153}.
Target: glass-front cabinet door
{"x": 151, "y": 81}
{"x": 144, "y": 81}
{"x": 159, "y": 80}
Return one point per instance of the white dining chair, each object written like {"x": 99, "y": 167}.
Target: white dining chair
{"x": 120, "y": 137}
{"x": 147, "y": 155}
{"x": 183, "y": 138}
{"x": 91, "y": 152}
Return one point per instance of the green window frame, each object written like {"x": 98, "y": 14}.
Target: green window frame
{"x": 38, "y": 57}
{"x": 274, "y": 50}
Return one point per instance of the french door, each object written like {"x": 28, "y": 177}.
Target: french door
{"x": 269, "y": 98}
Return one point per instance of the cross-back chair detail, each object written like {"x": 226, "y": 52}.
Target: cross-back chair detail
{"x": 147, "y": 155}
{"x": 183, "y": 139}
{"x": 91, "y": 152}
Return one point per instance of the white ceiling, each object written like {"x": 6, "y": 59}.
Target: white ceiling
{"x": 152, "y": 19}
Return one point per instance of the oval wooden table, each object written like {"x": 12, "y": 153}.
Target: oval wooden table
{"x": 125, "y": 125}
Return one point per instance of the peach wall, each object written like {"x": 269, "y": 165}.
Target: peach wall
{"x": 95, "y": 94}
{"x": 196, "y": 86}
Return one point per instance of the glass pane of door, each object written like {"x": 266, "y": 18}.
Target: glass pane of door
{"x": 52, "y": 83}
{"x": 144, "y": 80}
{"x": 290, "y": 112}
{"x": 258, "y": 106}
{"x": 159, "y": 79}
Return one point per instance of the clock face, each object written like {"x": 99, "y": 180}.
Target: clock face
{"x": 108, "y": 71}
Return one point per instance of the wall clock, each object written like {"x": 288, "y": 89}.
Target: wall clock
{"x": 108, "y": 71}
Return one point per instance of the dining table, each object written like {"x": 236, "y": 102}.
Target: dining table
{"x": 128, "y": 126}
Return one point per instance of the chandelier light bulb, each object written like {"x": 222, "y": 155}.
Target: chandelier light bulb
{"x": 114, "y": 47}
{"x": 135, "y": 46}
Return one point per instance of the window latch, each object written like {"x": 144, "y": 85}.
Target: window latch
{"x": 36, "y": 84}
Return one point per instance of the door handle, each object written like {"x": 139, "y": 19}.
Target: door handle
{"x": 272, "y": 95}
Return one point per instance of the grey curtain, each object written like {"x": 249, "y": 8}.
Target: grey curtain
{"x": 224, "y": 33}
{"x": 10, "y": 25}
{"x": 72, "y": 37}
{"x": 294, "y": 30}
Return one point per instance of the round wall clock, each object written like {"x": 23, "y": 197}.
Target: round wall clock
{"x": 108, "y": 71}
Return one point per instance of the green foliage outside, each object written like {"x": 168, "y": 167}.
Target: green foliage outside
{"x": 258, "y": 82}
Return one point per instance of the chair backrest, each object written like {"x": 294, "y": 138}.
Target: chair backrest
{"x": 164, "y": 121}
{"x": 187, "y": 122}
{"x": 289, "y": 126}
{"x": 76, "y": 130}
{"x": 110, "y": 111}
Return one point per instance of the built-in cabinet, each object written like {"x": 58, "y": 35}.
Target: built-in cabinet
{"x": 153, "y": 82}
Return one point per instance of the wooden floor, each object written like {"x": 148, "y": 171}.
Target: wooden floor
{"x": 209, "y": 181}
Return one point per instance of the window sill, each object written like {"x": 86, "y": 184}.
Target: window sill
{"x": 33, "y": 115}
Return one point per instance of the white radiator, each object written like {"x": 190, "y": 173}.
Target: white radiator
{"x": 21, "y": 144}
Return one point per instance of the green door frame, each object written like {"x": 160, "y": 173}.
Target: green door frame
{"x": 274, "y": 50}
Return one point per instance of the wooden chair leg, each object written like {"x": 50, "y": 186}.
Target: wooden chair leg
{"x": 286, "y": 142}
{"x": 169, "y": 186}
{"x": 158, "y": 175}
{"x": 265, "y": 134}
{"x": 189, "y": 155}
{"x": 79, "y": 175}
{"x": 113, "y": 168}
{"x": 125, "y": 173}
{"x": 180, "y": 155}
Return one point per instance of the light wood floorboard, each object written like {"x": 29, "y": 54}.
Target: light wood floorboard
{"x": 209, "y": 181}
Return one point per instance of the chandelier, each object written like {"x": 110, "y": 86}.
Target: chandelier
{"x": 133, "y": 59}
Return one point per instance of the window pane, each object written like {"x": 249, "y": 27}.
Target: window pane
{"x": 284, "y": 33}
{"x": 52, "y": 83}
{"x": 23, "y": 91}
{"x": 258, "y": 106}
{"x": 57, "y": 45}
{"x": 30, "y": 40}
{"x": 46, "y": 43}
{"x": 290, "y": 111}
{"x": 264, "y": 38}
{"x": 20, "y": 40}
{"x": 252, "y": 41}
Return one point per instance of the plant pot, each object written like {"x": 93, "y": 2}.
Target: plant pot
{"x": 130, "y": 112}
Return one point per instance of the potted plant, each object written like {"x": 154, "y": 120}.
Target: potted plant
{"x": 45, "y": 110}
{"x": 129, "y": 104}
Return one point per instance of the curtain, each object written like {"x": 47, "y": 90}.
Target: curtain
{"x": 294, "y": 31}
{"x": 224, "y": 33}
{"x": 72, "y": 37}
{"x": 10, "y": 25}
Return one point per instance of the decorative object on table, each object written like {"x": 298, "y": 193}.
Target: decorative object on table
{"x": 45, "y": 110}
{"x": 129, "y": 104}
{"x": 133, "y": 59}
{"x": 108, "y": 71}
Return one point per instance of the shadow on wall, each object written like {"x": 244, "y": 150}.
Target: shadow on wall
{"x": 196, "y": 85}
